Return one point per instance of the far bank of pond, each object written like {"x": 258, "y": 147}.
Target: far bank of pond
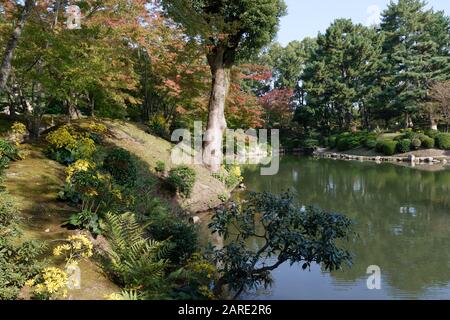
{"x": 402, "y": 216}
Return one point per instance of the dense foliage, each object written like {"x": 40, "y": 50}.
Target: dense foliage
{"x": 286, "y": 233}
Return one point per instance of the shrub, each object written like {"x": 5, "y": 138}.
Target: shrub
{"x": 427, "y": 142}
{"x": 370, "y": 143}
{"x": 121, "y": 166}
{"x": 182, "y": 237}
{"x": 230, "y": 175}
{"x": 182, "y": 178}
{"x": 18, "y": 130}
{"x": 160, "y": 167}
{"x": 158, "y": 125}
{"x": 8, "y": 152}
{"x": 311, "y": 143}
{"x": 387, "y": 147}
{"x": 443, "y": 141}
{"x": 67, "y": 145}
{"x": 416, "y": 143}
{"x": 83, "y": 182}
{"x": 19, "y": 261}
{"x": 348, "y": 141}
{"x": 332, "y": 142}
{"x": 404, "y": 146}
{"x": 432, "y": 133}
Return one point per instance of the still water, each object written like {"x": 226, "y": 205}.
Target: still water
{"x": 402, "y": 216}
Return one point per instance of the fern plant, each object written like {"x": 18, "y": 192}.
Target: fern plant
{"x": 134, "y": 261}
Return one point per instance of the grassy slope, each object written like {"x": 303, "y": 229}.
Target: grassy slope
{"x": 150, "y": 149}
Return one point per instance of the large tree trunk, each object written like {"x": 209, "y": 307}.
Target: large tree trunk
{"x": 5, "y": 68}
{"x": 212, "y": 148}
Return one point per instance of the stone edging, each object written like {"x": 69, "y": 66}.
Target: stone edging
{"x": 409, "y": 159}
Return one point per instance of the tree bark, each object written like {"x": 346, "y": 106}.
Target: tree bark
{"x": 5, "y": 68}
{"x": 212, "y": 147}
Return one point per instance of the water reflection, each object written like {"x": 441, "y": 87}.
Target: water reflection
{"x": 402, "y": 216}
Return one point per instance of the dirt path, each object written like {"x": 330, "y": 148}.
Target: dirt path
{"x": 35, "y": 183}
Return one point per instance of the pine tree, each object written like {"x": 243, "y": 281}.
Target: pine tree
{"x": 415, "y": 53}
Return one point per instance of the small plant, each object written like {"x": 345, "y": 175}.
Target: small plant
{"x": 160, "y": 167}
{"x": 121, "y": 166}
{"x": 223, "y": 197}
{"x": 74, "y": 249}
{"x": 87, "y": 218}
{"x": 182, "y": 178}
{"x": 404, "y": 146}
{"x": 50, "y": 284}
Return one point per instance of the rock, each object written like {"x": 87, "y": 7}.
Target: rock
{"x": 47, "y": 230}
{"x": 444, "y": 161}
{"x": 195, "y": 220}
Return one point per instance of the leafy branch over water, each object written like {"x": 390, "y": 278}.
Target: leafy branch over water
{"x": 286, "y": 233}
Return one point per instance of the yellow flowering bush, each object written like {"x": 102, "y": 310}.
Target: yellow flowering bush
{"x": 201, "y": 274}
{"x": 230, "y": 175}
{"x": 67, "y": 144}
{"x": 83, "y": 181}
{"x": 79, "y": 165}
{"x": 51, "y": 283}
{"x": 96, "y": 127}
{"x": 18, "y": 130}
{"x": 75, "y": 248}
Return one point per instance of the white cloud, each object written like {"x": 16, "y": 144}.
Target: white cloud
{"x": 373, "y": 15}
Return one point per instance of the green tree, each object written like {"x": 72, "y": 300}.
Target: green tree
{"x": 415, "y": 53}
{"x": 289, "y": 234}
{"x": 230, "y": 30}
{"x": 337, "y": 74}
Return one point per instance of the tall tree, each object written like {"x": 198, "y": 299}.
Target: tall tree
{"x": 335, "y": 76}
{"x": 230, "y": 30}
{"x": 5, "y": 68}
{"x": 415, "y": 52}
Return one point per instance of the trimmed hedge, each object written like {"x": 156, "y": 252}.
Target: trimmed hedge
{"x": 416, "y": 143}
{"x": 443, "y": 141}
{"x": 428, "y": 143}
{"x": 404, "y": 146}
{"x": 387, "y": 147}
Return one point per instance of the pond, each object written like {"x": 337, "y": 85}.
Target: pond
{"x": 402, "y": 217}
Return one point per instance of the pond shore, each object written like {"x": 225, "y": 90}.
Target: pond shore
{"x": 429, "y": 156}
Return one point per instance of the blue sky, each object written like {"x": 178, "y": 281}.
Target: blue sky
{"x": 307, "y": 17}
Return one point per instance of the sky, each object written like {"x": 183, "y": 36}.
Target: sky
{"x": 306, "y": 17}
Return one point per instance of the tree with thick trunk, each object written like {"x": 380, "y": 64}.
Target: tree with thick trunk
{"x": 230, "y": 30}
{"x": 5, "y": 68}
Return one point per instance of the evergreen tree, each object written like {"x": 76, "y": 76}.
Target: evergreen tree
{"x": 415, "y": 53}
{"x": 337, "y": 76}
